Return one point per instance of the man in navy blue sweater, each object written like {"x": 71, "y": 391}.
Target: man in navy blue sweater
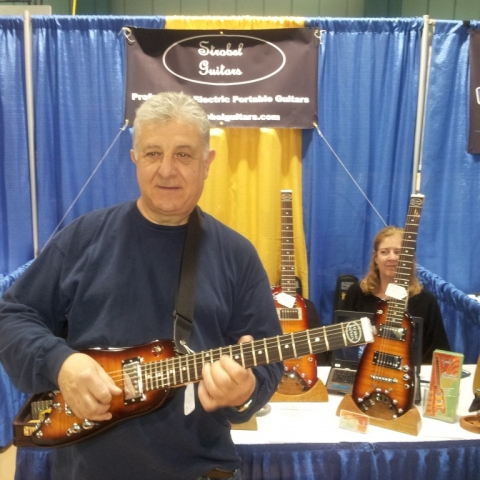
{"x": 110, "y": 277}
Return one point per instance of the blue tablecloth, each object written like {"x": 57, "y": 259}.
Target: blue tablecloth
{"x": 338, "y": 461}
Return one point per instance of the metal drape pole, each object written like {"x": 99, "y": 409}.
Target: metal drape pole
{"x": 421, "y": 101}
{"x": 27, "y": 35}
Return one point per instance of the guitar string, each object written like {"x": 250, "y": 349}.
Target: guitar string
{"x": 274, "y": 341}
{"x": 334, "y": 334}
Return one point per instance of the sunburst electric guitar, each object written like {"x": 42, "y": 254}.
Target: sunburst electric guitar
{"x": 385, "y": 381}
{"x": 300, "y": 373}
{"x": 147, "y": 375}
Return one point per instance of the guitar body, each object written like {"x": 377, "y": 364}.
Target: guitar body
{"x": 385, "y": 382}
{"x": 300, "y": 373}
{"x": 62, "y": 426}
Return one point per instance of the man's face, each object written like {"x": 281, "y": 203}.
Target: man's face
{"x": 172, "y": 165}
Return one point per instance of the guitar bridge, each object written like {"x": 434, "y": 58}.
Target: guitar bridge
{"x": 132, "y": 381}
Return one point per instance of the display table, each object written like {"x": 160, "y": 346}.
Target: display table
{"x": 302, "y": 441}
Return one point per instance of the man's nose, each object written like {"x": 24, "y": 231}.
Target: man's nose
{"x": 166, "y": 166}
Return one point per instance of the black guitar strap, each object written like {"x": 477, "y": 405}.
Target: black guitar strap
{"x": 183, "y": 313}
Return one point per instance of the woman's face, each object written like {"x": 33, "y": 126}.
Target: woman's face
{"x": 387, "y": 256}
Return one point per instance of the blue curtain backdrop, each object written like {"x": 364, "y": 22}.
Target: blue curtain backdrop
{"x": 367, "y": 106}
{"x": 15, "y": 212}
{"x": 368, "y": 77}
{"x": 450, "y": 176}
{"x": 79, "y": 91}
{"x": 450, "y": 226}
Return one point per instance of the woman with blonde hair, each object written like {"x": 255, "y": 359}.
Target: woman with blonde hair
{"x": 365, "y": 295}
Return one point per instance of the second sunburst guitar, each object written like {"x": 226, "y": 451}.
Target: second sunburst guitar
{"x": 301, "y": 373}
{"x": 385, "y": 381}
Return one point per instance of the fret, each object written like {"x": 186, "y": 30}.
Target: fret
{"x": 194, "y": 366}
{"x": 240, "y": 346}
{"x": 159, "y": 375}
{"x": 286, "y": 347}
{"x": 294, "y": 347}
{"x": 266, "y": 350}
{"x": 326, "y": 339}
{"x": 146, "y": 376}
{"x": 253, "y": 354}
{"x": 180, "y": 369}
{"x": 186, "y": 370}
{"x": 279, "y": 347}
{"x": 208, "y": 356}
{"x": 152, "y": 373}
{"x": 343, "y": 335}
{"x": 172, "y": 378}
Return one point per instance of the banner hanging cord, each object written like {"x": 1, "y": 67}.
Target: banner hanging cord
{"x": 348, "y": 173}
{"x": 88, "y": 180}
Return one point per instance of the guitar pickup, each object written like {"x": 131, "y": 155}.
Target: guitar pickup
{"x": 290, "y": 313}
{"x": 392, "y": 333}
{"x": 386, "y": 360}
{"x": 132, "y": 381}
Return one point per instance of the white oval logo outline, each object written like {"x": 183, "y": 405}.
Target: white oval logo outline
{"x": 353, "y": 332}
{"x": 218, "y": 35}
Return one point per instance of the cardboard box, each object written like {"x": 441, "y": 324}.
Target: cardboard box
{"x": 444, "y": 391}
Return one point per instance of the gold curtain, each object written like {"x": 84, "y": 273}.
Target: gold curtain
{"x": 252, "y": 165}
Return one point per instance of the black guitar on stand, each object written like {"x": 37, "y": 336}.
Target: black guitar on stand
{"x": 385, "y": 382}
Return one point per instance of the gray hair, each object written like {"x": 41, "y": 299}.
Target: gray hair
{"x": 167, "y": 106}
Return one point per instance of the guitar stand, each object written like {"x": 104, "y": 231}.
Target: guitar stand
{"x": 409, "y": 423}
{"x": 248, "y": 425}
{"x": 318, "y": 393}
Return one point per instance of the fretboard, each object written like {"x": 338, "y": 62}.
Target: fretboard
{"x": 406, "y": 262}
{"x": 287, "y": 278}
{"x": 179, "y": 370}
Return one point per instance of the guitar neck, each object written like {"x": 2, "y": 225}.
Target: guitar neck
{"x": 179, "y": 370}
{"x": 406, "y": 261}
{"x": 287, "y": 278}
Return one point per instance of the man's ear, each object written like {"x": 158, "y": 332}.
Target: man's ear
{"x": 132, "y": 156}
{"x": 208, "y": 161}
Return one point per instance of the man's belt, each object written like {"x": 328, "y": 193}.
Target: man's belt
{"x": 219, "y": 473}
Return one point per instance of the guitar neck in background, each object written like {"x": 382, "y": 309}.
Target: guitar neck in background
{"x": 287, "y": 276}
{"x": 406, "y": 262}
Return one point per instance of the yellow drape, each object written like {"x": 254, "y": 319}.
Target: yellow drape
{"x": 252, "y": 166}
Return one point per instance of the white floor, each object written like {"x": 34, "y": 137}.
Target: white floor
{"x": 7, "y": 464}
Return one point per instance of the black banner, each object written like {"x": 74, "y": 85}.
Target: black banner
{"x": 243, "y": 78}
{"x": 474, "y": 133}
